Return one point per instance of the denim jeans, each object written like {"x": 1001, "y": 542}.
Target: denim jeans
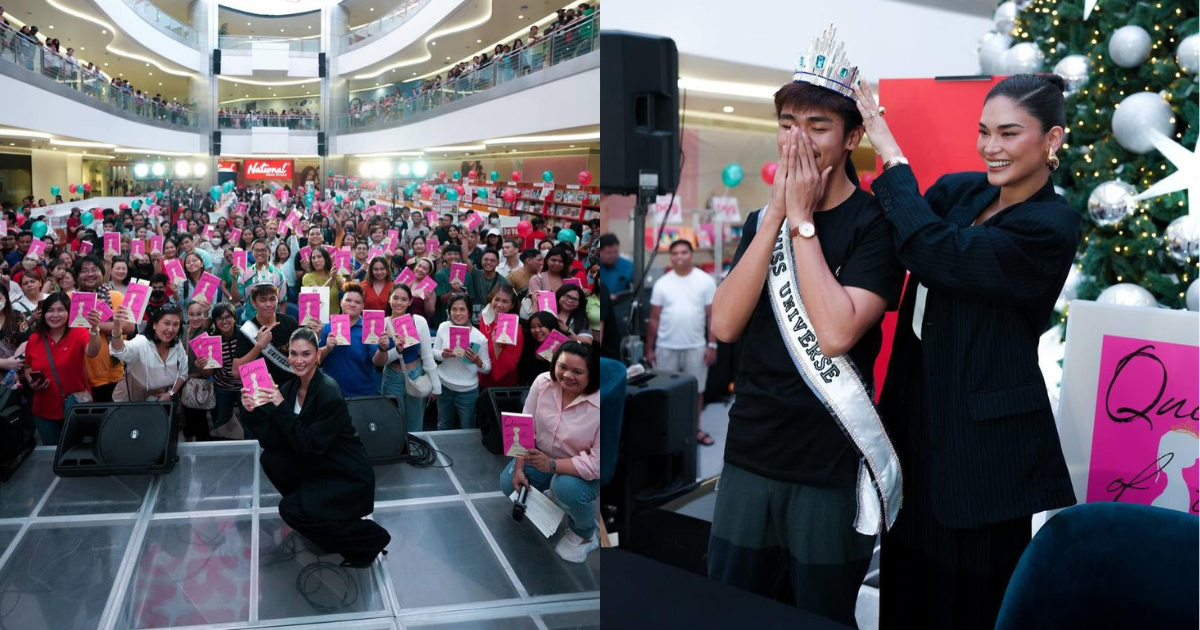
{"x": 414, "y": 408}
{"x": 453, "y": 404}
{"x": 49, "y": 430}
{"x": 575, "y": 495}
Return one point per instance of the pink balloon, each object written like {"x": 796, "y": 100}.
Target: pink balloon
{"x": 508, "y": 195}
{"x": 585, "y": 178}
{"x": 768, "y": 172}
{"x": 87, "y": 187}
{"x": 123, "y": 206}
{"x": 71, "y": 188}
{"x": 471, "y": 174}
{"x": 524, "y": 228}
{"x": 516, "y": 176}
{"x": 460, "y": 190}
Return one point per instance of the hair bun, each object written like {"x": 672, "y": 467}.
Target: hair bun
{"x": 1055, "y": 80}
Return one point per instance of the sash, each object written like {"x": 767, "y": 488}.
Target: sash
{"x": 837, "y": 384}
{"x": 270, "y": 353}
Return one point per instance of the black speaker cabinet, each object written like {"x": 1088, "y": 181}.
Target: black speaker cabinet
{"x": 639, "y": 111}
{"x": 380, "y": 423}
{"x": 17, "y": 433}
{"x": 216, "y": 143}
{"x": 321, "y": 62}
{"x": 216, "y": 61}
{"x": 322, "y": 148}
{"x": 126, "y": 438}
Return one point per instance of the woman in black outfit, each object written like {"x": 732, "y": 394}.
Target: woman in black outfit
{"x": 529, "y": 366}
{"x": 316, "y": 460}
{"x": 964, "y": 400}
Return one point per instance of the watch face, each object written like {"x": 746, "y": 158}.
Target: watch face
{"x": 807, "y": 229}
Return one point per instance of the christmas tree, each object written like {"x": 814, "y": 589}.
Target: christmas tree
{"x": 1131, "y": 76}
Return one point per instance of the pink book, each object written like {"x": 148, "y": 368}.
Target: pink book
{"x": 235, "y": 237}
{"x": 575, "y": 281}
{"x": 207, "y": 349}
{"x": 137, "y": 297}
{"x": 306, "y": 253}
{"x": 241, "y": 208}
{"x": 206, "y": 288}
{"x": 85, "y": 248}
{"x": 407, "y": 277}
{"x": 425, "y": 288}
{"x": 392, "y": 234}
{"x": 112, "y": 243}
{"x": 256, "y": 376}
{"x": 406, "y": 331}
{"x": 310, "y": 307}
{"x": 206, "y": 233}
{"x": 105, "y": 312}
{"x": 240, "y": 260}
{"x": 472, "y": 221}
{"x": 374, "y": 326}
{"x": 37, "y": 248}
{"x": 547, "y": 302}
{"x": 173, "y": 267}
{"x": 460, "y": 339}
{"x": 283, "y": 230}
{"x": 181, "y": 225}
{"x": 343, "y": 262}
{"x": 339, "y": 327}
{"x": 273, "y": 212}
{"x": 375, "y": 251}
{"x": 137, "y": 248}
{"x": 551, "y": 344}
{"x": 432, "y": 217}
{"x": 156, "y": 244}
{"x": 82, "y": 303}
{"x": 458, "y": 273}
{"x": 432, "y": 244}
{"x": 4, "y": 227}
{"x": 154, "y": 210}
{"x": 518, "y": 433}
{"x": 506, "y": 329}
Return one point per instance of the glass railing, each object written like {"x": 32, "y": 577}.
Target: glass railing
{"x": 164, "y": 22}
{"x": 26, "y": 52}
{"x": 385, "y": 24}
{"x": 249, "y": 120}
{"x": 579, "y": 39}
{"x": 246, "y": 42}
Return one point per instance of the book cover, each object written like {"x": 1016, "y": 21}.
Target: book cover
{"x": 425, "y": 288}
{"x": 173, "y": 267}
{"x": 407, "y": 277}
{"x": 472, "y": 221}
{"x": 207, "y": 349}
{"x": 206, "y": 232}
{"x": 551, "y": 344}
{"x": 518, "y": 433}
{"x": 112, "y": 243}
{"x": 460, "y": 339}
{"x": 154, "y": 210}
{"x": 37, "y": 249}
{"x": 235, "y": 237}
{"x": 137, "y": 248}
{"x": 273, "y": 212}
{"x": 339, "y": 327}
{"x": 374, "y": 251}
{"x": 241, "y": 209}
{"x": 3, "y": 226}
{"x": 373, "y": 326}
{"x": 323, "y": 294}
{"x": 547, "y": 302}
{"x": 156, "y": 244}
{"x": 82, "y": 303}
{"x": 137, "y": 297}
{"x": 506, "y": 329}
{"x": 458, "y": 273}
{"x": 394, "y": 234}
{"x": 310, "y": 308}
{"x": 105, "y": 312}
{"x": 432, "y": 217}
{"x": 432, "y": 244}
{"x": 240, "y": 260}
{"x": 85, "y": 248}
{"x": 256, "y": 376}
{"x": 206, "y": 288}
{"x": 343, "y": 264}
{"x": 575, "y": 281}
{"x": 306, "y": 253}
{"x": 181, "y": 225}
{"x": 405, "y": 328}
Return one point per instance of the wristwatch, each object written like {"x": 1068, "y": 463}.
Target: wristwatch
{"x": 896, "y": 161}
{"x": 553, "y": 465}
{"x": 712, "y": 345}
{"x": 805, "y": 229}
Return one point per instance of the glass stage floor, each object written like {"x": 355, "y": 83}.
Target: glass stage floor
{"x": 204, "y": 547}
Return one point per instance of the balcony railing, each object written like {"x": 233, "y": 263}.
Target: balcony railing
{"x": 164, "y": 22}
{"x": 295, "y": 44}
{"x": 580, "y": 39}
{"x": 26, "y": 52}
{"x": 250, "y": 120}
{"x": 385, "y": 24}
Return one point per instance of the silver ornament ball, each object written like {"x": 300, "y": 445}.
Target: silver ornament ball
{"x": 1071, "y": 285}
{"x": 1127, "y": 294}
{"x": 1182, "y": 238}
{"x": 1005, "y": 16}
{"x": 992, "y": 52}
{"x": 1188, "y": 54}
{"x": 1129, "y": 46}
{"x": 1137, "y": 115}
{"x": 1111, "y": 202}
{"x": 1193, "y": 296}
{"x": 1074, "y": 70}
{"x": 1024, "y": 58}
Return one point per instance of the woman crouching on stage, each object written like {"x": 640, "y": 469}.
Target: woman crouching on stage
{"x": 314, "y": 457}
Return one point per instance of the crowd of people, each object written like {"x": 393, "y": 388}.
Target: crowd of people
{"x": 291, "y": 118}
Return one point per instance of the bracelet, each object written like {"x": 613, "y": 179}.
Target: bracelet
{"x": 896, "y": 161}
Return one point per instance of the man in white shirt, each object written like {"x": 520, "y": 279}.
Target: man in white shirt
{"x": 510, "y": 257}
{"x": 679, "y": 338}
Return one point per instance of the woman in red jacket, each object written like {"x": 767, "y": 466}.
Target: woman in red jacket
{"x": 501, "y": 301}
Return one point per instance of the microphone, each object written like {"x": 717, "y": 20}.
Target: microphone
{"x": 519, "y": 507}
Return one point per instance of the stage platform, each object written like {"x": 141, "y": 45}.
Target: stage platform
{"x": 204, "y": 547}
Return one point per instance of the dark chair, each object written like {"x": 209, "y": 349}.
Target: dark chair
{"x": 1107, "y": 565}
{"x": 612, "y": 413}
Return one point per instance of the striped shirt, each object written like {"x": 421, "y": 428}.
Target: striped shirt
{"x": 225, "y": 377}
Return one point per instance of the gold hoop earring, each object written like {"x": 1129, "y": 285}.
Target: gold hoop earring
{"x": 1052, "y": 161}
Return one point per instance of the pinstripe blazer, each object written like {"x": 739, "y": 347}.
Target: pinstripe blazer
{"x": 988, "y": 446}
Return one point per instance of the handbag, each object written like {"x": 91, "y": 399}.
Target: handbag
{"x": 69, "y": 400}
{"x": 198, "y": 394}
{"x": 420, "y": 387}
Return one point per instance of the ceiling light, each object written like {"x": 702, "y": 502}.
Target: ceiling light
{"x": 51, "y": 26}
{"x": 81, "y": 49}
{"x": 199, "y": 169}
{"x": 25, "y": 134}
{"x": 247, "y": 96}
{"x": 183, "y": 169}
{"x": 79, "y": 143}
{"x": 151, "y": 73}
{"x": 141, "y": 169}
{"x": 160, "y": 83}
{"x": 147, "y": 65}
{"x": 479, "y": 41}
{"x": 12, "y": 144}
{"x": 571, "y": 147}
{"x": 106, "y": 64}
{"x": 372, "y": 9}
{"x": 159, "y": 169}
{"x": 310, "y": 27}
{"x": 103, "y": 32}
{"x": 728, "y": 109}
{"x": 520, "y": 17}
{"x": 280, "y": 30}
{"x": 404, "y": 170}
{"x": 247, "y": 24}
{"x": 53, "y": 148}
{"x": 420, "y": 169}
{"x": 433, "y": 43}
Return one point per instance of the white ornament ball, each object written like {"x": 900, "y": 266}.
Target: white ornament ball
{"x": 1023, "y": 58}
{"x": 1129, "y": 46}
{"x": 1074, "y": 70}
{"x": 1137, "y": 115}
{"x": 1182, "y": 238}
{"x": 1193, "y": 296}
{"x": 1188, "y": 54}
{"x": 1127, "y": 294}
{"x": 1071, "y": 285}
{"x": 1111, "y": 202}
{"x": 992, "y": 52}
{"x": 1005, "y": 16}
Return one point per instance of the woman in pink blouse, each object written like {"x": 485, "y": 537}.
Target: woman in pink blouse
{"x": 565, "y": 405}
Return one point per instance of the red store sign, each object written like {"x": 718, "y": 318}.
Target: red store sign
{"x": 227, "y": 167}
{"x": 268, "y": 169}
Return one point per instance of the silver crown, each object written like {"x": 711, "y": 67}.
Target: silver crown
{"x": 825, "y": 65}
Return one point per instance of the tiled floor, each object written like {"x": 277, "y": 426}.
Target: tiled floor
{"x": 204, "y": 547}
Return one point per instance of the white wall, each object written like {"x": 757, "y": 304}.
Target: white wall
{"x": 266, "y": 59}
{"x": 62, "y": 116}
{"x": 384, "y": 46}
{"x": 55, "y": 168}
{"x": 885, "y": 38}
{"x": 138, "y": 29}
{"x": 267, "y": 143}
{"x": 570, "y": 102}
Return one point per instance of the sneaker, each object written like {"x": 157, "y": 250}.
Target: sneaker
{"x": 572, "y": 548}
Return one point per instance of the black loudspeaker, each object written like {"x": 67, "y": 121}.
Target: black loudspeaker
{"x": 321, "y": 64}
{"x": 125, "y": 438}
{"x": 321, "y": 148}
{"x": 17, "y": 433}
{"x": 639, "y": 111}
{"x": 216, "y": 61}
{"x": 500, "y": 400}
{"x": 216, "y": 143}
{"x": 379, "y": 421}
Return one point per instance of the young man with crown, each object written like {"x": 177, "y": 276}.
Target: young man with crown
{"x": 810, "y": 477}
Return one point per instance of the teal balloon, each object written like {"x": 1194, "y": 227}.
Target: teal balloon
{"x": 451, "y": 195}
{"x": 457, "y": 175}
{"x": 215, "y": 193}
{"x": 86, "y": 218}
{"x": 494, "y": 176}
{"x": 331, "y": 172}
{"x": 338, "y": 198}
{"x": 441, "y": 190}
{"x": 548, "y": 176}
{"x": 481, "y": 193}
{"x": 566, "y": 235}
{"x": 53, "y": 191}
{"x": 38, "y": 228}
{"x": 136, "y": 204}
{"x": 732, "y": 175}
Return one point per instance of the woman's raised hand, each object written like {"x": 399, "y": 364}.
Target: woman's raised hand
{"x": 877, "y": 129}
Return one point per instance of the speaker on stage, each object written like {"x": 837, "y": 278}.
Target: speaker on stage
{"x": 380, "y": 423}
{"x": 639, "y": 111}
{"x": 125, "y": 438}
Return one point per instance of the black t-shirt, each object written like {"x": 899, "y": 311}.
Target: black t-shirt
{"x": 280, "y": 335}
{"x": 777, "y": 427}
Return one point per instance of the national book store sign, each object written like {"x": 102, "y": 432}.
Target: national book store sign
{"x": 269, "y": 169}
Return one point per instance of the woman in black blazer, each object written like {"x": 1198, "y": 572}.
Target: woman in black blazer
{"x": 313, "y": 455}
{"x": 964, "y": 400}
